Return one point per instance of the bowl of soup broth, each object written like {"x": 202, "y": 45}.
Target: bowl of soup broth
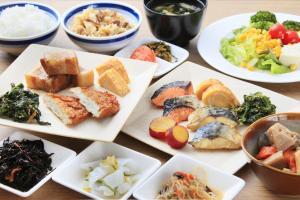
{"x": 175, "y": 21}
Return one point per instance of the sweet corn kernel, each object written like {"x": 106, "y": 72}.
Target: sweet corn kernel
{"x": 293, "y": 67}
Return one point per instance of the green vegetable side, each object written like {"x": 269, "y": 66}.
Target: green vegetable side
{"x": 21, "y": 105}
{"x": 253, "y": 47}
{"x": 254, "y": 107}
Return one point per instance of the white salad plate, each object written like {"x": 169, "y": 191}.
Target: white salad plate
{"x": 91, "y": 129}
{"x": 180, "y": 55}
{"x": 226, "y": 184}
{"x": 72, "y": 174}
{"x": 60, "y": 157}
{"x": 209, "y": 45}
{"x": 137, "y": 125}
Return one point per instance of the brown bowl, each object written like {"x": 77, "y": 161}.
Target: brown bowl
{"x": 274, "y": 179}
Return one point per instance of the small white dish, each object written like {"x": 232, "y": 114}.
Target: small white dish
{"x": 227, "y": 184}
{"x": 209, "y": 44}
{"x": 72, "y": 176}
{"x": 163, "y": 66}
{"x": 60, "y": 157}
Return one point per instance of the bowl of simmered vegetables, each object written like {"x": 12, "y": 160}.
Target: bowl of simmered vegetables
{"x": 175, "y": 21}
{"x": 273, "y": 145}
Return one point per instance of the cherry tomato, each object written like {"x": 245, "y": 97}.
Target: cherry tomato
{"x": 144, "y": 53}
{"x": 277, "y": 31}
{"x": 290, "y": 37}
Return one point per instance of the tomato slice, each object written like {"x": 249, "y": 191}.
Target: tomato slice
{"x": 290, "y": 37}
{"x": 277, "y": 31}
{"x": 265, "y": 152}
{"x": 144, "y": 53}
{"x": 289, "y": 157}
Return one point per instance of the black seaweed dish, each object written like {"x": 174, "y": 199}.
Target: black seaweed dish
{"x": 176, "y": 29}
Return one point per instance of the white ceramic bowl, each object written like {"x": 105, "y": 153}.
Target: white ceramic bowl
{"x": 15, "y": 46}
{"x": 109, "y": 43}
{"x": 60, "y": 157}
{"x": 72, "y": 176}
{"x": 228, "y": 184}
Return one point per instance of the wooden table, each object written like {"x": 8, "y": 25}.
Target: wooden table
{"x": 217, "y": 9}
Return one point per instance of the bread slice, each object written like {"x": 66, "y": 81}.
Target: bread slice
{"x": 39, "y": 80}
{"x": 68, "y": 109}
{"x": 65, "y": 62}
{"x": 100, "y": 104}
{"x": 113, "y": 81}
{"x": 84, "y": 78}
{"x": 115, "y": 64}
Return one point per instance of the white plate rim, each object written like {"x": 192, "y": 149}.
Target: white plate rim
{"x": 215, "y": 59}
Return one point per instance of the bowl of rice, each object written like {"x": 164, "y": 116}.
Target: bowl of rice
{"x": 102, "y": 27}
{"x": 25, "y": 23}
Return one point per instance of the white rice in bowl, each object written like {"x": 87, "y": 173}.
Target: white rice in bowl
{"x": 25, "y": 21}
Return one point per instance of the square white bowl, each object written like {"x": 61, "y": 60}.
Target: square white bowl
{"x": 227, "y": 184}
{"x": 163, "y": 66}
{"x": 72, "y": 176}
{"x": 60, "y": 157}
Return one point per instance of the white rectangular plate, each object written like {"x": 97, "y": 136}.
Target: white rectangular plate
{"x": 140, "y": 74}
{"x": 72, "y": 176}
{"x": 60, "y": 157}
{"x": 227, "y": 184}
{"x": 163, "y": 66}
{"x": 137, "y": 125}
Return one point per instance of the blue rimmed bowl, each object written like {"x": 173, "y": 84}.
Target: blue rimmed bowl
{"x": 15, "y": 46}
{"x": 108, "y": 43}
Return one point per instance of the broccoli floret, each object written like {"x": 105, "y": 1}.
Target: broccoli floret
{"x": 264, "y": 25}
{"x": 291, "y": 25}
{"x": 263, "y": 16}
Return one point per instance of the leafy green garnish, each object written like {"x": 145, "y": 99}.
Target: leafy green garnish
{"x": 21, "y": 105}
{"x": 254, "y": 107}
{"x": 291, "y": 25}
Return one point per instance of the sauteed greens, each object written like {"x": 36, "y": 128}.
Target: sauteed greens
{"x": 20, "y": 105}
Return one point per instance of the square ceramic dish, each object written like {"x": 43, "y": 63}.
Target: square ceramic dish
{"x": 60, "y": 157}
{"x": 72, "y": 176}
{"x": 137, "y": 125}
{"x": 228, "y": 185}
{"x": 91, "y": 129}
{"x": 163, "y": 66}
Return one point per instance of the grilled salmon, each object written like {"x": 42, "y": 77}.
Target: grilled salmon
{"x": 171, "y": 90}
{"x": 179, "y": 108}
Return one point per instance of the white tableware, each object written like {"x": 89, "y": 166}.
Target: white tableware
{"x": 17, "y": 45}
{"x": 72, "y": 176}
{"x": 60, "y": 157}
{"x": 180, "y": 55}
{"x": 137, "y": 125}
{"x": 209, "y": 49}
{"x": 91, "y": 129}
{"x": 109, "y": 43}
{"x": 228, "y": 185}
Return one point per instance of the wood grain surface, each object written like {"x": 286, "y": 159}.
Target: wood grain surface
{"x": 217, "y": 9}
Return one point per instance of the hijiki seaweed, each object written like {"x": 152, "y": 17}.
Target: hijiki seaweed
{"x": 23, "y": 163}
